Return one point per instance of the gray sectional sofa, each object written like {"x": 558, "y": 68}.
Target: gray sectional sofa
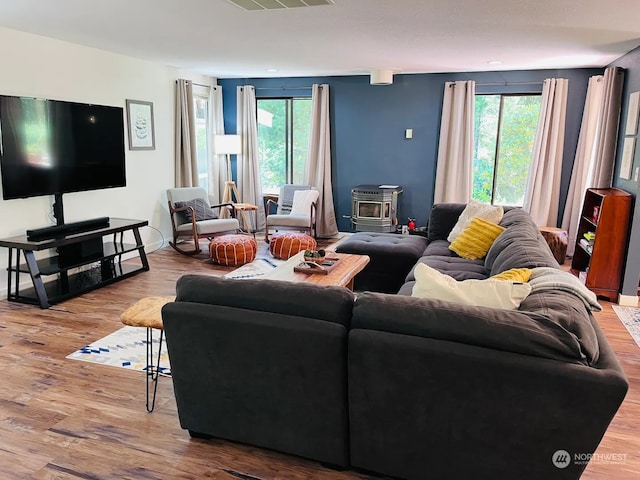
{"x": 402, "y": 386}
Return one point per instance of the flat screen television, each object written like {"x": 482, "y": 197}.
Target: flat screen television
{"x": 51, "y": 147}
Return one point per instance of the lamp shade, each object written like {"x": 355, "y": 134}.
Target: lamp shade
{"x": 227, "y": 144}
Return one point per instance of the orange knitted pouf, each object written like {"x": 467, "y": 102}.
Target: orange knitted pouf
{"x": 233, "y": 250}
{"x": 287, "y": 244}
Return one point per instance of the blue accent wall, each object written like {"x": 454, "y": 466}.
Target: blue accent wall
{"x": 368, "y": 125}
{"x": 631, "y": 63}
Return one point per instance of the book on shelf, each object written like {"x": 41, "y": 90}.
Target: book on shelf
{"x": 587, "y": 245}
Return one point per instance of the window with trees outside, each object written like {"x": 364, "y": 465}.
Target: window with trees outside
{"x": 504, "y": 132}
{"x": 201, "y": 113}
{"x": 284, "y": 125}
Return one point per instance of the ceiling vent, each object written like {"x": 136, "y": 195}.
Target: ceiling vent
{"x": 278, "y": 4}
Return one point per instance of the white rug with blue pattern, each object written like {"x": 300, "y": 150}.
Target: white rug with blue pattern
{"x": 264, "y": 263}
{"x": 630, "y": 318}
{"x": 125, "y": 348}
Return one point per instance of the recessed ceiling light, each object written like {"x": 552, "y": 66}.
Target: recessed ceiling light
{"x": 272, "y": 70}
{"x": 495, "y": 62}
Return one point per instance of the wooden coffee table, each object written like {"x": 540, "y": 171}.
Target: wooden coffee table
{"x": 342, "y": 274}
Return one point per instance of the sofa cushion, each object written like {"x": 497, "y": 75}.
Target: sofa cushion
{"x": 407, "y": 288}
{"x": 517, "y": 216}
{"x": 521, "y": 245}
{"x": 512, "y": 249}
{"x": 439, "y": 248}
{"x": 475, "y": 240}
{"x": 506, "y": 330}
{"x": 388, "y": 245}
{"x": 472, "y": 210}
{"x": 487, "y": 293}
{"x": 442, "y": 219}
{"x": 456, "y": 267}
{"x": 329, "y": 303}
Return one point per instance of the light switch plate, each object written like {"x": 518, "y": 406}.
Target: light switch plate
{"x": 408, "y": 133}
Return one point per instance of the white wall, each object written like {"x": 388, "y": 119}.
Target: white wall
{"x": 42, "y": 67}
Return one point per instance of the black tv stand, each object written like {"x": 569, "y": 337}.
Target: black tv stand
{"x": 67, "y": 228}
{"x": 79, "y": 262}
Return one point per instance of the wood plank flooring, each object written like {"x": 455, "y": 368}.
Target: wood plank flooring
{"x": 66, "y": 419}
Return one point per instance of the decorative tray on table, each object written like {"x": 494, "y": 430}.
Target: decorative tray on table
{"x": 328, "y": 264}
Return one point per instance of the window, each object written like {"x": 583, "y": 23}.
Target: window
{"x": 284, "y": 125}
{"x": 504, "y": 131}
{"x": 201, "y": 113}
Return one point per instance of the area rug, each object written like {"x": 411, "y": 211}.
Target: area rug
{"x": 264, "y": 263}
{"x": 124, "y": 348}
{"x": 630, "y": 318}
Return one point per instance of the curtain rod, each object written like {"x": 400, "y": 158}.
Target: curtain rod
{"x": 506, "y": 84}
{"x": 284, "y": 88}
{"x": 200, "y": 84}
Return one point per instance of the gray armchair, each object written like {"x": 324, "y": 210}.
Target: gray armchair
{"x": 295, "y": 211}
{"x": 192, "y": 218}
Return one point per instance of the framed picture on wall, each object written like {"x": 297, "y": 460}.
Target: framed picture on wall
{"x": 627, "y": 157}
{"x": 632, "y": 114}
{"x": 140, "y": 121}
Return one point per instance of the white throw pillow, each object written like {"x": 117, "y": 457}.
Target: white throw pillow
{"x": 430, "y": 283}
{"x": 474, "y": 209}
{"x": 302, "y": 200}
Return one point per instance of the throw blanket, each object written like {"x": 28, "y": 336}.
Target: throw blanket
{"x": 287, "y": 192}
{"x": 548, "y": 278}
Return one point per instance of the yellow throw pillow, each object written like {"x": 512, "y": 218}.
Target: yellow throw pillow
{"x": 475, "y": 241}
{"x": 514, "y": 275}
{"x": 475, "y": 209}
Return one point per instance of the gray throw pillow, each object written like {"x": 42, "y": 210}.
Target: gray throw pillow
{"x": 201, "y": 208}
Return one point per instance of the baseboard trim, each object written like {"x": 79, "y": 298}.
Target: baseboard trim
{"x": 628, "y": 300}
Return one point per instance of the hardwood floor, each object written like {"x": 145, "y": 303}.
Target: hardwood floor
{"x": 66, "y": 419}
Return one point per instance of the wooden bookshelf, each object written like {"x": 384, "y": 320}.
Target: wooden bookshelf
{"x": 605, "y": 213}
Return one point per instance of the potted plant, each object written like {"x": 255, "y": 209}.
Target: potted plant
{"x": 316, "y": 256}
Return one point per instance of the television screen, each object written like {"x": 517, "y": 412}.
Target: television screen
{"x": 51, "y": 146}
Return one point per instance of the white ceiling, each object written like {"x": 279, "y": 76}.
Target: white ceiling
{"x": 351, "y": 37}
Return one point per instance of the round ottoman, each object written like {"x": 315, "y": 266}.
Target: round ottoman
{"x": 287, "y": 244}
{"x": 233, "y": 250}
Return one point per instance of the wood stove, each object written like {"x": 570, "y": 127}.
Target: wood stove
{"x": 374, "y": 208}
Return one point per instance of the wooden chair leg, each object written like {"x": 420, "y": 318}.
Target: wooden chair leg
{"x": 196, "y": 247}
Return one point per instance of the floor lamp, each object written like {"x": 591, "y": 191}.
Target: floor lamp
{"x": 228, "y": 145}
